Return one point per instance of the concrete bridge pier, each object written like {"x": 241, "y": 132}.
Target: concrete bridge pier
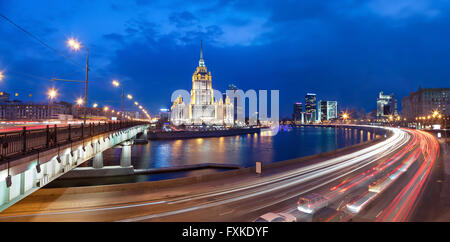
{"x": 144, "y": 135}
{"x": 98, "y": 160}
{"x": 125, "y": 156}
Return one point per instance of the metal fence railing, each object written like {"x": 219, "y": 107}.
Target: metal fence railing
{"x": 25, "y": 141}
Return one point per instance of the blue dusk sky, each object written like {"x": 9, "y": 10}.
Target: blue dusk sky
{"x": 343, "y": 50}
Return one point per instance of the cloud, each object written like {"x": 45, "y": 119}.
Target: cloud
{"x": 401, "y": 9}
{"x": 182, "y": 19}
{"x": 114, "y": 37}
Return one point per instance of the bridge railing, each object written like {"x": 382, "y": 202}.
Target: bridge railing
{"x": 21, "y": 142}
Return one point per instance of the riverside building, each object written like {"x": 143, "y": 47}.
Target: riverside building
{"x": 310, "y": 108}
{"x": 426, "y": 101}
{"x": 386, "y": 106}
{"x": 203, "y": 108}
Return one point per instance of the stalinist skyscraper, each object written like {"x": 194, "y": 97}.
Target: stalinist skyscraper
{"x": 203, "y": 109}
{"x": 202, "y": 96}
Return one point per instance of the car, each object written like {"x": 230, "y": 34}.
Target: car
{"x": 276, "y": 217}
{"x": 311, "y": 203}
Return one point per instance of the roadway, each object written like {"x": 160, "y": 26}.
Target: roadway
{"x": 406, "y": 158}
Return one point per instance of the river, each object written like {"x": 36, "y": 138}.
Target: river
{"x": 243, "y": 150}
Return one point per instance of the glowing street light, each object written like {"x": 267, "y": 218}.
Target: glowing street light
{"x": 115, "y": 83}
{"x": 79, "y": 101}
{"x": 345, "y": 116}
{"x": 1, "y": 76}
{"x": 95, "y": 105}
{"x": 129, "y": 96}
{"x": 52, "y": 93}
{"x": 74, "y": 44}
{"x": 106, "y": 109}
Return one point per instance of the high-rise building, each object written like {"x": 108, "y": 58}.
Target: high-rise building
{"x": 202, "y": 109}
{"x": 425, "y": 101}
{"x": 298, "y": 111}
{"x": 332, "y": 110}
{"x": 386, "y": 105}
{"x": 322, "y": 108}
{"x": 236, "y": 108}
{"x": 327, "y": 110}
{"x": 310, "y": 107}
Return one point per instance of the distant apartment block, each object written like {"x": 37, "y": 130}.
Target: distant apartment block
{"x": 425, "y": 101}
{"x": 17, "y": 110}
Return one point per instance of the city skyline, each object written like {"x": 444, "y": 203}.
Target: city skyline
{"x": 326, "y": 48}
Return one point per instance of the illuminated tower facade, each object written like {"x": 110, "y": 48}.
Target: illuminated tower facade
{"x": 203, "y": 109}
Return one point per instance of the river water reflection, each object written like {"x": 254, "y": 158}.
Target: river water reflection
{"x": 243, "y": 150}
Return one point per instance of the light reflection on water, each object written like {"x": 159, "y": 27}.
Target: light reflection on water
{"x": 242, "y": 150}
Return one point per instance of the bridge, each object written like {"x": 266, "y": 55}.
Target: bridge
{"x": 30, "y": 159}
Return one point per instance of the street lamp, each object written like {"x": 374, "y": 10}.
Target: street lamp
{"x": 79, "y": 101}
{"x": 117, "y": 84}
{"x": 75, "y": 45}
{"x": 345, "y": 117}
{"x": 1, "y": 76}
{"x": 51, "y": 94}
{"x": 436, "y": 114}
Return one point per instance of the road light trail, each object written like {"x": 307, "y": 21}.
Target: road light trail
{"x": 401, "y": 207}
{"x": 322, "y": 169}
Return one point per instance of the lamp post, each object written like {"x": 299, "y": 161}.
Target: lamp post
{"x": 51, "y": 94}
{"x": 94, "y": 111}
{"x": 79, "y": 102}
{"x": 76, "y": 46}
{"x": 436, "y": 114}
{"x": 117, "y": 84}
{"x": 345, "y": 117}
{"x": 134, "y": 107}
{"x": 105, "y": 109}
{"x": 130, "y": 97}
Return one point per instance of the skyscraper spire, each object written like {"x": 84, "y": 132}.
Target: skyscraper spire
{"x": 201, "y": 49}
{"x": 201, "y": 62}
